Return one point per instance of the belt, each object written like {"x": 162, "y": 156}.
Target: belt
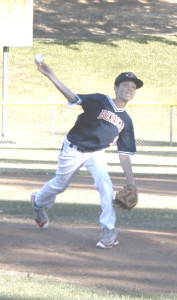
{"x": 80, "y": 148}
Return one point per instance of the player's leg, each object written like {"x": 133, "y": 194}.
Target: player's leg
{"x": 69, "y": 163}
{"x": 97, "y": 166}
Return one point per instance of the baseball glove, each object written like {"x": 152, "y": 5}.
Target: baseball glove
{"x": 127, "y": 198}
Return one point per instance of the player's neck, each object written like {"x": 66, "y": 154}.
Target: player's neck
{"x": 119, "y": 103}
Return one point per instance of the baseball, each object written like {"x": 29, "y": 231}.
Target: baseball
{"x": 38, "y": 58}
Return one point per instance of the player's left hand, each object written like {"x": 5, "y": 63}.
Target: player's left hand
{"x": 127, "y": 198}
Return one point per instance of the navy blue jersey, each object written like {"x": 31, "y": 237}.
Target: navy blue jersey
{"x": 101, "y": 125}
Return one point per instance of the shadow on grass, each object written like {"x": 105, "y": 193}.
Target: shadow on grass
{"x": 147, "y": 39}
{"x": 72, "y": 44}
{"x": 76, "y": 20}
{"x": 162, "y": 219}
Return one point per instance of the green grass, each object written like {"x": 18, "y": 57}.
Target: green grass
{"x": 91, "y": 66}
{"x": 76, "y": 206}
{"x": 25, "y": 286}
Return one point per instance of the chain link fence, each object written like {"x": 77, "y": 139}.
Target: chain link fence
{"x": 45, "y": 125}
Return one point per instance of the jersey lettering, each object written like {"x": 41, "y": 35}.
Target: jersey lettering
{"x": 112, "y": 118}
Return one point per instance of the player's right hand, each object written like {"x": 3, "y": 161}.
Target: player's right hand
{"x": 44, "y": 69}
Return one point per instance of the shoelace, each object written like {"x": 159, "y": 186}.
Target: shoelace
{"x": 41, "y": 214}
{"x": 106, "y": 233}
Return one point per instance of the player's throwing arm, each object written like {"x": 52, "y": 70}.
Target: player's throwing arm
{"x": 45, "y": 70}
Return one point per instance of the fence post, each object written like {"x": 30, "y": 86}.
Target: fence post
{"x": 171, "y": 125}
{"x": 5, "y": 91}
{"x": 53, "y": 123}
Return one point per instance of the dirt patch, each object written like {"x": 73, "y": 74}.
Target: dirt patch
{"x": 161, "y": 184}
{"x": 143, "y": 262}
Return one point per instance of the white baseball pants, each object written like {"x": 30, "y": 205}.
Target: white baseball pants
{"x": 70, "y": 161}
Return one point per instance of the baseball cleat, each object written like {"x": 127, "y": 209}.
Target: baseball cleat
{"x": 40, "y": 215}
{"x": 108, "y": 239}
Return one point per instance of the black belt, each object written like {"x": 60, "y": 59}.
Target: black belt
{"x": 80, "y": 148}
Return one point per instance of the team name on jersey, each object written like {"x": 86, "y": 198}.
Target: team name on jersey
{"x": 112, "y": 118}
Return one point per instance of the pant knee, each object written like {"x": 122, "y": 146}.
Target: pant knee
{"x": 58, "y": 184}
{"x": 104, "y": 183}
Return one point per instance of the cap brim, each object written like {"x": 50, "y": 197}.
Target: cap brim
{"x": 137, "y": 81}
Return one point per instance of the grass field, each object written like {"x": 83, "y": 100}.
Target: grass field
{"x": 88, "y": 67}
{"x": 80, "y": 207}
{"x": 92, "y": 66}
{"x": 18, "y": 286}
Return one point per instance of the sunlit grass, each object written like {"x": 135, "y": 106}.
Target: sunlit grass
{"x": 92, "y": 66}
{"x": 76, "y": 206}
{"x": 88, "y": 196}
{"x": 26, "y": 286}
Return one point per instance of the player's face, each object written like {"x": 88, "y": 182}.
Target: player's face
{"x": 125, "y": 91}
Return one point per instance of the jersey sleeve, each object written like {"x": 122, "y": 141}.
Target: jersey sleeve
{"x": 83, "y": 100}
{"x": 78, "y": 102}
{"x": 88, "y": 102}
{"x": 126, "y": 142}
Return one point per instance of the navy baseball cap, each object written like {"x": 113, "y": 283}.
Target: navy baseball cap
{"x": 129, "y": 76}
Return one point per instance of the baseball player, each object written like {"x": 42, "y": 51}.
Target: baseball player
{"x": 103, "y": 123}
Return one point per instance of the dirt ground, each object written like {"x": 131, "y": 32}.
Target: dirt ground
{"x": 142, "y": 263}
{"x": 145, "y": 261}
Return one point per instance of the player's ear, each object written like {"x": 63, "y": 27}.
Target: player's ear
{"x": 115, "y": 88}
